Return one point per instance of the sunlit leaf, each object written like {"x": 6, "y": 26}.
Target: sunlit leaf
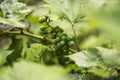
{"x": 111, "y": 57}
{"x": 87, "y": 58}
{"x": 98, "y": 61}
{"x": 99, "y": 71}
{"x": 14, "y": 13}
{"x": 73, "y": 10}
{"x": 32, "y": 71}
{"x": 35, "y": 52}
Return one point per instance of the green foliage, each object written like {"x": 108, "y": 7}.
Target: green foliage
{"x": 3, "y": 55}
{"x": 66, "y": 9}
{"x": 42, "y": 19}
{"x": 36, "y": 52}
{"x": 107, "y": 17}
{"x": 99, "y": 61}
{"x": 31, "y": 71}
{"x": 32, "y": 53}
{"x": 17, "y": 47}
{"x": 30, "y": 2}
{"x": 13, "y": 14}
{"x": 38, "y": 41}
{"x": 74, "y": 11}
{"x": 1, "y": 14}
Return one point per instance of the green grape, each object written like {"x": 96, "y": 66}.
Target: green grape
{"x": 64, "y": 47}
{"x": 58, "y": 34}
{"x": 58, "y": 29}
{"x": 63, "y": 34}
{"x": 62, "y": 43}
{"x": 70, "y": 38}
{"x": 57, "y": 39}
{"x": 58, "y": 45}
{"x": 54, "y": 41}
{"x": 42, "y": 19}
{"x": 64, "y": 37}
{"x": 49, "y": 30}
{"x": 42, "y": 28}
{"x": 71, "y": 44}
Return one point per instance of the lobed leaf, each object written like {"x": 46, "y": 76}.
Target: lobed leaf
{"x": 73, "y": 10}
{"x": 87, "y": 58}
{"x": 14, "y": 13}
{"x": 98, "y": 61}
{"x": 35, "y": 52}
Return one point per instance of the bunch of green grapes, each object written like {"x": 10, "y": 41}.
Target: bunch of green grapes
{"x": 61, "y": 42}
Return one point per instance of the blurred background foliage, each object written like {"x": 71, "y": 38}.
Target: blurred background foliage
{"x": 30, "y": 2}
{"x": 99, "y": 26}
{"x": 92, "y": 30}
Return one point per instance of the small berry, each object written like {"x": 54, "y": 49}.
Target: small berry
{"x": 62, "y": 43}
{"x": 71, "y": 43}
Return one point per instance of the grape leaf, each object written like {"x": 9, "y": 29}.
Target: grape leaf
{"x": 102, "y": 59}
{"x": 35, "y": 52}
{"x": 72, "y": 10}
{"x": 17, "y": 47}
{"x": 88, "y": 58}
{"x": 40, "y": 53}
{"x": 111, "y": 57}
{"x": 3, "y": 55}
{"x": 99, "y": 71}
{"x": 13, "y": 14}
{"x": 32, "y": 71}
{"x": 83, "y": 77}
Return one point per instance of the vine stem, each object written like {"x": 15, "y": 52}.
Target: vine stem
{"x": 73, "y": 50}
{"x": 75, "y": 35}
{"x": 26, "y": 34}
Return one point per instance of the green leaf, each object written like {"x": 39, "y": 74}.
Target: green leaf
{"x": 98, "y": 60}
{"x": 17, "y": 47}
{"x": 72, "y": 10}
{"x": 13, "y": 14}
{"x": 33, "y": 18}
{"x": 3, "y": 56}
{"x": 83, "y": 77}
{"x": 88, "y": 58}
{"x": 32, "y": 71}
{"x": 99, "y": 71}
{"x": 35, "y": 52}
{"x": 111, "y": 57}
{"x": 40, "y": 53}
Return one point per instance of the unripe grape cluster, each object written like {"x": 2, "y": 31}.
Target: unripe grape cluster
{"x": 60, "y": 40}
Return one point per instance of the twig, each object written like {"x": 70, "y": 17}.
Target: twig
{"x": 76, "y": 40}
{"x": 26, "y": 34}
{"x": 73, "y": 50}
